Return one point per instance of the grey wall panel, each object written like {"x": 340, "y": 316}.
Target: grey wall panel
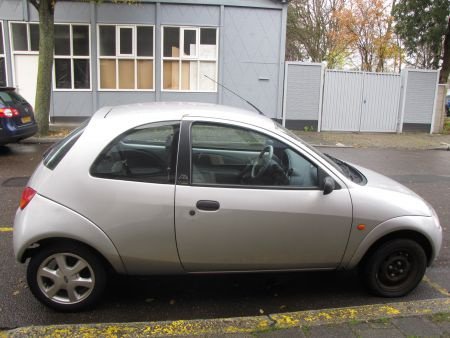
{"x": 72, "y": 104}
{"x": 189, "y": 97}
{"x": 118, "y": 98}
{"x": 236, "y": 3}
{"x": 70, "y": 11}
{"x": 139, "y": 13}
{"x": 251, "y": 57}
{"x": 67, "y": 11}
{"x": 190, "y": 15}
{"x": 303, "y": 92}
{"x": 11, "y": 10}
{"x": 33, "y": 14}
{"x": 420, "y": 96}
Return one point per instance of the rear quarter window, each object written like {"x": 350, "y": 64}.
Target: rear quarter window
{"x": 57, "y": 152}
{"x": 144, "y": 154}
{"x": 11, "y": 98}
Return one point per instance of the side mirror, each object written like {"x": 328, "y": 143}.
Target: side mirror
{"x": 328, "y": 185}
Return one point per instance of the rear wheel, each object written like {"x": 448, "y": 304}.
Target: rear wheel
{"x": 67, "y": 277}
{"x": 395, "y": 268}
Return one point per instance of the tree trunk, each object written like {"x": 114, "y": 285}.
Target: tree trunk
{"x": 44, "y": 78}
{"x": 445, "y": 70}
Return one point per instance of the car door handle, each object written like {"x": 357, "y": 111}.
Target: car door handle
{"x": 208, "y": 205}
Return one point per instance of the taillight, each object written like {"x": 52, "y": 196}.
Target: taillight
{"x": 27, "y": 196}
{"x": 9, "y": 112}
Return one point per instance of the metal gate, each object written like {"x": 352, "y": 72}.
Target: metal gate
{"x": 360, "y": 101}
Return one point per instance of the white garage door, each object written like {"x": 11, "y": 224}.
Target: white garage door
{"x": 359, "y": 101}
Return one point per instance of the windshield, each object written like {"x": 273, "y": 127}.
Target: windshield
{"x": 289, "y": 133}
{"x": 347, "y": 170}
{"x": 10, "y": 98}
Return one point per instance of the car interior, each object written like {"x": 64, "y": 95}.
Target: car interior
{"x": 235, "y": 156}
{"x": 220, "y": 156}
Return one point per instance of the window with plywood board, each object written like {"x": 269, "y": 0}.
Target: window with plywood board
{"x": 189, "y": 59}
{"x": 126, "y": 57}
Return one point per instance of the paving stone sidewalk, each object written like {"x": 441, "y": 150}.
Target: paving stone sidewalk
{"x": 419, "y": 141}
{"x": 398, "y": 327}
{"x": 437, "y": 325}
{"x": 421, "y": 318}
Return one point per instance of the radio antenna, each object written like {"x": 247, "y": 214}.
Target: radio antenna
{"x": 248, "y": 102}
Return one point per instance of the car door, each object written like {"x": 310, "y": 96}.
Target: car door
{"x": 133, "y": 183}
{"x": 228, "y": 217}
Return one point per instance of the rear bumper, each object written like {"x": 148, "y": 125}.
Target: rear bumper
{"x": 9, "y": 133}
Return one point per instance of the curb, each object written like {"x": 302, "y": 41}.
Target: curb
{"x": 41, "y": 140}
{"x": 240, "y": 324}
{"x": 330, "y": 146}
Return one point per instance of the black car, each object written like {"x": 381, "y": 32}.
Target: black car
{"x": 16, "y": 117}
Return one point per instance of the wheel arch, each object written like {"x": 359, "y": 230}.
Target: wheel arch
{"x": 46, "y": 242}
{"x": 44, "y": 221}
{"x": 413, "y": 235}
{"x": 421, "y": 229}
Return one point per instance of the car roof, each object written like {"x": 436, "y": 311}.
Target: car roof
{"x": 184, "y": 109}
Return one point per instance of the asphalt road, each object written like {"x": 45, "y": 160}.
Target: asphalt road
{"x": 171, "y": 298}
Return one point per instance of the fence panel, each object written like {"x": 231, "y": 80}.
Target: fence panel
{"x": 302, "y": 94}
{"x": 342, "y": 100}
{"x": 381, "y": 101}
{"x": 336, "y": 100}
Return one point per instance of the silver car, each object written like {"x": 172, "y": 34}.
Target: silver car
{"x": 178, "y": 188}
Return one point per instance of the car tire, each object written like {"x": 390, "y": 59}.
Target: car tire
{"x": 67, "y": 277}
{"x": 395, "y": 268}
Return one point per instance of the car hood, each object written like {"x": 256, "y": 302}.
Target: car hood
{"x": 393, "y": 195}
{"x": 377, "y": 180}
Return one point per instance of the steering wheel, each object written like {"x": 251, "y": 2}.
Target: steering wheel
{"x": 261, "y": 164}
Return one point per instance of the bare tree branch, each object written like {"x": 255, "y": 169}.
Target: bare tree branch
{"x": 34, "y": 3}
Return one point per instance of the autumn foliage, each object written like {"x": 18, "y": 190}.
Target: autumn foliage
{"x": 365, "y": 26}
{"x": 371, "y": 35}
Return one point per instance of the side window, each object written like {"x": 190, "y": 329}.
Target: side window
{"x": 144, "y": 154}
{"x": 228, "y": 155}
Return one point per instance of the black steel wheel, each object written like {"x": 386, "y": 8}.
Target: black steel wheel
{"x": 395, "y": 268}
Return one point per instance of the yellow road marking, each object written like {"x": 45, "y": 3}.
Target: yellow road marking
{"x": 6, "y": 229}
{"x": 254, "y": 324}
{"x": 436, "y": 286}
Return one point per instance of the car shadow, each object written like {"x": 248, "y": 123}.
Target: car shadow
{"x": 149, "y": 299}
{"x": 4, "y": 150}
{"x": 231, "y": 295}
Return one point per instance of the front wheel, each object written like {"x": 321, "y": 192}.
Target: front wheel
{"x": 66, "y": 277}
{"x": 395, "y": 268}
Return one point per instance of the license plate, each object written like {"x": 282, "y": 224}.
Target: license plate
{"x": 26, "y": 119}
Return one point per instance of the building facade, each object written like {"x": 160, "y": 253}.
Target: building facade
{"x": 162, "y": 50}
